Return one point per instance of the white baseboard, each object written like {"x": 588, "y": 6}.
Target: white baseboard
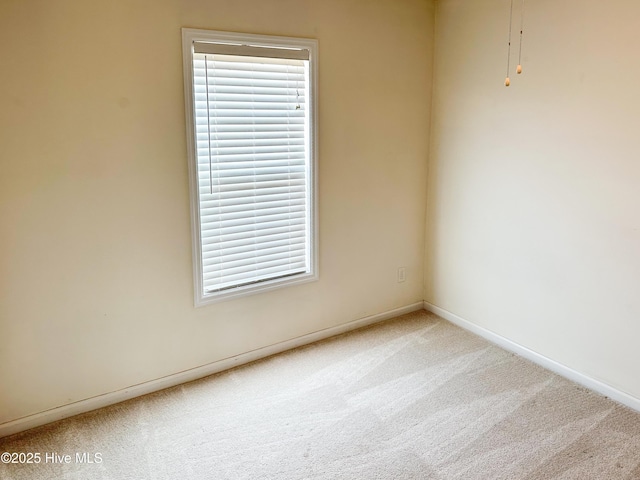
{"x": 545, "y": 362}
{"x": 93, "y": 403}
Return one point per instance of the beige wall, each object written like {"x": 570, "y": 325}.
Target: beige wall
{"x": 534, "y": 197}
{"x": 95, "y": 249}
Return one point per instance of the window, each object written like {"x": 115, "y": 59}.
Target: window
{"x": 250, "y": 106}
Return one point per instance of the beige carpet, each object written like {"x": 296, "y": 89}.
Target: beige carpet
{"x": 411, "y": 398}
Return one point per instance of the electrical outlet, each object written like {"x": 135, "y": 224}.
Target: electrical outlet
{"x": 402, "y": 274}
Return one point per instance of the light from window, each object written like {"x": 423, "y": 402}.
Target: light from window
{"x": 250, "y": 116}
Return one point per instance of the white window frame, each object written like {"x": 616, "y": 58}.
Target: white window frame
{"x": 189, "y": 36}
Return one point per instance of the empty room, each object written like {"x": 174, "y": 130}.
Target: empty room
{"x": 319, "y": 239}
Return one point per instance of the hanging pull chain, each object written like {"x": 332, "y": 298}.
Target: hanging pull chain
{"x": 507, "y": 81}
{"x": 519, "y": 68}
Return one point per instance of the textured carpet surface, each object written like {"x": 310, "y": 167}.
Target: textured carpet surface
{"x": 411, "y": 398}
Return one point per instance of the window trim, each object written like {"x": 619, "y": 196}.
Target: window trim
{"x": 189, "y": 36}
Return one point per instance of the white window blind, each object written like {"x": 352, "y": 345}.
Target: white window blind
{"x": 253, "y": 163}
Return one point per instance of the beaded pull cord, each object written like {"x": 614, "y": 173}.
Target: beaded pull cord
{"x": 519, "y": 67}
{"x": 507, "y": 81}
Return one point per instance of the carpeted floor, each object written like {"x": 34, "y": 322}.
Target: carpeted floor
{"x": 411, "y": 398}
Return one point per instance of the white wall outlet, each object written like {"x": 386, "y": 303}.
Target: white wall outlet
{"x": 402, "y": 274}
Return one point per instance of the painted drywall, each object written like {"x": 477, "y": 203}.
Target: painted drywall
{"x": 95, "y": 250}
{"x": 533, "y": 225}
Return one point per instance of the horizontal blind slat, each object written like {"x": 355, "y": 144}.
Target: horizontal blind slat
{"x": 212, "y": 230}
{"x": 275, "y": 255}
{"x": 245, "y": 238}
{"x": 228, "y": 197}
{"x": 255, "y": 278}
{"x": 251, "y": 203}
{"x": 212, "y": 191}
{"x": 234, "y": 239}
{"x": 241, "y": 271}
{"x": 244, "y": 224}
{"x": 288, "y": 241}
